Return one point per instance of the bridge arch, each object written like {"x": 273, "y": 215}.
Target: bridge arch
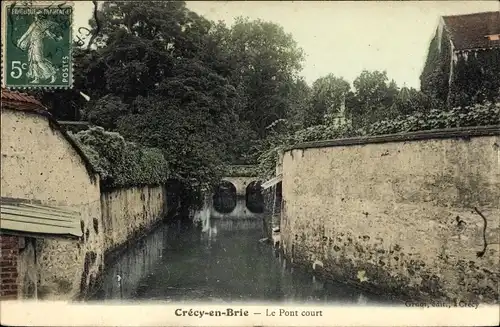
{"x": 254, "y": 199}
{"x": 225, "y": 197}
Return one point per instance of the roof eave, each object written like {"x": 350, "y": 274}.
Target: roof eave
{"x": 450, "y": 34}
{"x": 68, "y": 237}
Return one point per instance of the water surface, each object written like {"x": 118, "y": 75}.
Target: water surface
{"x": 229, "y": 266}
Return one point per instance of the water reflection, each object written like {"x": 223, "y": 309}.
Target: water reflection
{"x": 125, "y": 274}
{"x": 219, "y": 267}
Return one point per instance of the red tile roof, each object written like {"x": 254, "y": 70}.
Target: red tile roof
{"x": 15, "y": 96}
{"x": 470, "y": 31}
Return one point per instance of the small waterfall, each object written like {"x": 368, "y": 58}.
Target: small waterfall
{"x": 212, "y": 232}
{"x": 203, "y": 216}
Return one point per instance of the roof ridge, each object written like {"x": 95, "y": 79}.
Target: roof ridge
{"x": 21, "y": 97}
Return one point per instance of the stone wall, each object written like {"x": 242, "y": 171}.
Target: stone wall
{"x": 39, "y": 163}
{"x": 398, "y": 214}
{"x": 130, "y": 212}
{"x": 272, "y": 208}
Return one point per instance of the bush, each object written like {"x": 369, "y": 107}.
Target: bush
{"x": 121, "y": 163}
{"x": 478, "y": 115}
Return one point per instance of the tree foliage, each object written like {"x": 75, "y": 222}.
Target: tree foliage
{"x": 206, "y": 95}
{"x": 327, "y": 96}
{"x": 375, "y": 96}
{"x": 151, "y": 80}
{"x": 263, "y": 62}
{"x": 409, "y": 101}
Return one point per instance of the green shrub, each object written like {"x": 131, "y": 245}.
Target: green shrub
{"x": 478, "y": 115}
{"x": 121, "y": 163}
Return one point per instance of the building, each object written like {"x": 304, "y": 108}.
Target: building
{"x": 463, "y": 61}
{"x": 51, "y": 232}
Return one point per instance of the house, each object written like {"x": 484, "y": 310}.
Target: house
{"x": 50, "y": 224}
{"x": 463, "y": 61}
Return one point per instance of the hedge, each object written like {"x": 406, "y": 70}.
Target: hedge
{"x": 477, "y": 115}
{"x": 121, "y": 163}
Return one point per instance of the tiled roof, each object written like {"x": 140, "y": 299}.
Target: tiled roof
{"x": 15, "y": 96}
{"x": 470, "y": 31}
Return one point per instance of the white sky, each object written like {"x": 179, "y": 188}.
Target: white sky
{"x": 343, "y": 37}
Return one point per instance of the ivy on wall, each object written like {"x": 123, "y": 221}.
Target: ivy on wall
{"x": 121, "y": 163}
{"x": 475, "y": 78}
{"x": 435, "y": 75}
{"x": 241, "y": 171}
{"x": 477, "y": 115}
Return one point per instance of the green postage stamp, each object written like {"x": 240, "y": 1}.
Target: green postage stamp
{"x": 36, "y": 44}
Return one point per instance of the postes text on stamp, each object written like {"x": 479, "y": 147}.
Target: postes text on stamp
{"x": 36, "y": 46}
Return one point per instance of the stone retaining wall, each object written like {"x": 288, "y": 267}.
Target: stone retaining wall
{"x": 404, "y": 214}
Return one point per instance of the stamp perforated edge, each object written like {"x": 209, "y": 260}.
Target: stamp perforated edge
{"x": 5, "y": 4}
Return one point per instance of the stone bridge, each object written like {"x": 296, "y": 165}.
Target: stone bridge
{"x": 238, "y": 202}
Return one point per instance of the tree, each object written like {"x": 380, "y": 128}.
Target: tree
{"x": 192, "y": 118}
{"x": 263, "y": 62}
{"x": 106, "y": 111}
{"x": 178, "y": 30}
{"x": 375, "y": 96}
{"x": 151, "y": 80}
{"x": 298, "y": 104}
{"x": 328, "y": 94}
{"x": 409, "y": 101}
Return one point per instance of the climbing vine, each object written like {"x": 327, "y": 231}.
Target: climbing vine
{"x": 477, "y": 115}
{"x": 476, "y": 78}
{"x": 435, "y": 75}
{"x": 121, "y": 163}
{"x": 241, "y": 170}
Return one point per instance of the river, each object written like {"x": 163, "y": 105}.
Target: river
{"x": 231, "y": 266}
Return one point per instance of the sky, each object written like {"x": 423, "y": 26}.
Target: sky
{"x": 344, "y": 37}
